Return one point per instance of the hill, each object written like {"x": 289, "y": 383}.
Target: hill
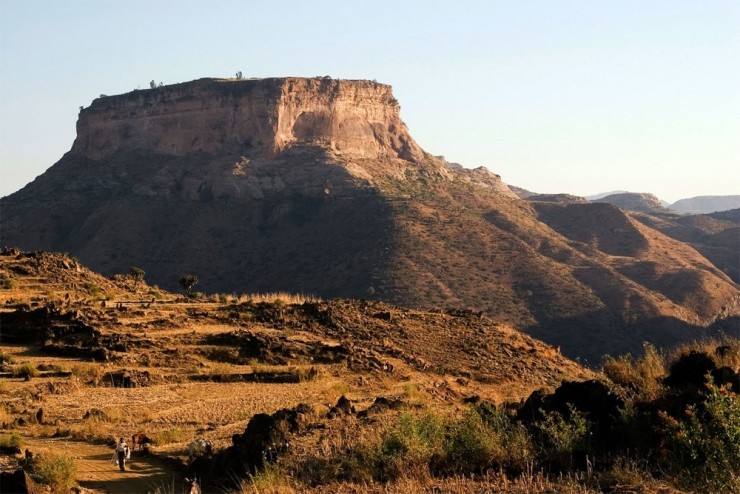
{"x": 146, "y": 323}
{"x": 315, "y": 186}
{"x": 633, "y": 201}
{"x": 304, "y": 395}
{"x": 716, "y": 236}
{"x": 706, "y": 204}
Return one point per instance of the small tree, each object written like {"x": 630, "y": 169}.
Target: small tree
{"x": 152, "y": 84}
{"x": 187, "y": 282}
{"x": 239, "y": 75}
{"x": 136, "y": 274}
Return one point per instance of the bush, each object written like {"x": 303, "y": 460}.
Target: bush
{"x": 5, "y": 359}
{"x": 518, "y": 449}
{"x": 137, "y": 274}
{"x": 643, "y": 377}
{"x": 95, "y": 291}
{"x": 168, "y": 436}
{"x": 86, "y": 372}
{"x": 412, "y": 444}
{"x": 703, "y": 448}
{"x": 471, "y": 446}
{"x": 25, "y": 370}
{"x": 271, "y": 480}
{"x": 6, "y": 283}
{"x": 563, "y": 440}
{"x": 56, "y": 471}
{"x": 485, "y": 437}
{"x": 187, "y": 282}
{"x": 10, "y": 442}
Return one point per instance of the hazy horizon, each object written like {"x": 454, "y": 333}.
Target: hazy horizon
{"x": 576, "y": 97}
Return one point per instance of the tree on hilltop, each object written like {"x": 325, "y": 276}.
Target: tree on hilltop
{"x": 136, "y": 274}
{"x": 187, "y": 282}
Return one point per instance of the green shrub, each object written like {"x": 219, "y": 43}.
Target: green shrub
{"x": 25, "y": 370}
{"x": 5, "y": 359}
{"x": 411, "y": 444}
{"x": 471, "y": 446}
{"x": 137, "y": 274}
{"x": 95, "y": 291}
{"x": 6, "y": 283}
{"x": 10, "y": 441}
{"x": 56, "y": 471}
{"x": 271, "y": 479}
{"x": 562, "y": 439}
{"x": 485, "y": 437}
{"x": 155, "y": 292}
{"x": 703, "y": 448}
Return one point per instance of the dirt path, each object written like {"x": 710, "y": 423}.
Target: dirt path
{"x": 96, "y": 470}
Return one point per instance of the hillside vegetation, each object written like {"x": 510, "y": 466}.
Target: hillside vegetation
{"x": 338, "y": 396}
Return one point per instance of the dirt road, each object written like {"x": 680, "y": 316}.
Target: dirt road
{"x": 96, "y": 470}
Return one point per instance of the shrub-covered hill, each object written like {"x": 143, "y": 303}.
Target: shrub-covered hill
{"x": 338, "y": 396}
{"x": 55, "y": 290}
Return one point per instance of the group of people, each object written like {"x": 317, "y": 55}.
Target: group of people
{"x": 121, "y": 454}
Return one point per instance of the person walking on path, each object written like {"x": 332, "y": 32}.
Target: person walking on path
{"x": 122, "y": 453}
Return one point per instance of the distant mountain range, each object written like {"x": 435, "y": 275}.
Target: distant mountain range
{"x": 635, "y": 201}
{"x": 706, "y": 204}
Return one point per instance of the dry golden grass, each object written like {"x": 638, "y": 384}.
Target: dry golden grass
{"x": 730, "y": 358}
{"x": 279, "y": 298}
{"x": 275, "y": 481}
{"x": 645, "y": 373}
{"x": 5, "y": 417}
{"x": 166, "y": 340}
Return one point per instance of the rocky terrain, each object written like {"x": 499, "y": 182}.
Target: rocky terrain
{"x": 107, "y": 357}
{"x": 315, "y": 186}
{"x": 278, "y": 393}
{"x": 716, "y": 235}
{"x": 633, "y": 201}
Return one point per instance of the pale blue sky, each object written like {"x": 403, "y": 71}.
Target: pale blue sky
{"x": 555, "y": 96}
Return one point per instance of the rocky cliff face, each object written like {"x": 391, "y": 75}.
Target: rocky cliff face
{"x": 219, "y": 138}
{"x": 358, "y": 119}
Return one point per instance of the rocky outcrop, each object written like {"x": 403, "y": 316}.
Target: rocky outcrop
{"x": 481, "y": 177}
{"x": 352, "y": 118}
{"x": 633, "y": 201}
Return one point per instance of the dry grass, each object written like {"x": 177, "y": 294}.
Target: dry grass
{"x": 269, "y": 481}
{"x": 169, "y": 436}
{"x": 275, "y": 481}
{"x": 86, "y": 372}
{"x": 645, "y": 373}
{"x": 166, "y": 339}
{"x": 5, "y": 416}
{"x": 730, "y": 358}
{"x": 284, "y": 298}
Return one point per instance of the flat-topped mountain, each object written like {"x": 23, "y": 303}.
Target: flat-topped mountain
{"x": 352, "y": 118}
{"x": 315, "y": 186}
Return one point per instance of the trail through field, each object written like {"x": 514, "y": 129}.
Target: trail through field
{"x": 97, "y": 471}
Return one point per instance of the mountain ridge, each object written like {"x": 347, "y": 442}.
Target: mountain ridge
{"x": 330, "y": 195}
